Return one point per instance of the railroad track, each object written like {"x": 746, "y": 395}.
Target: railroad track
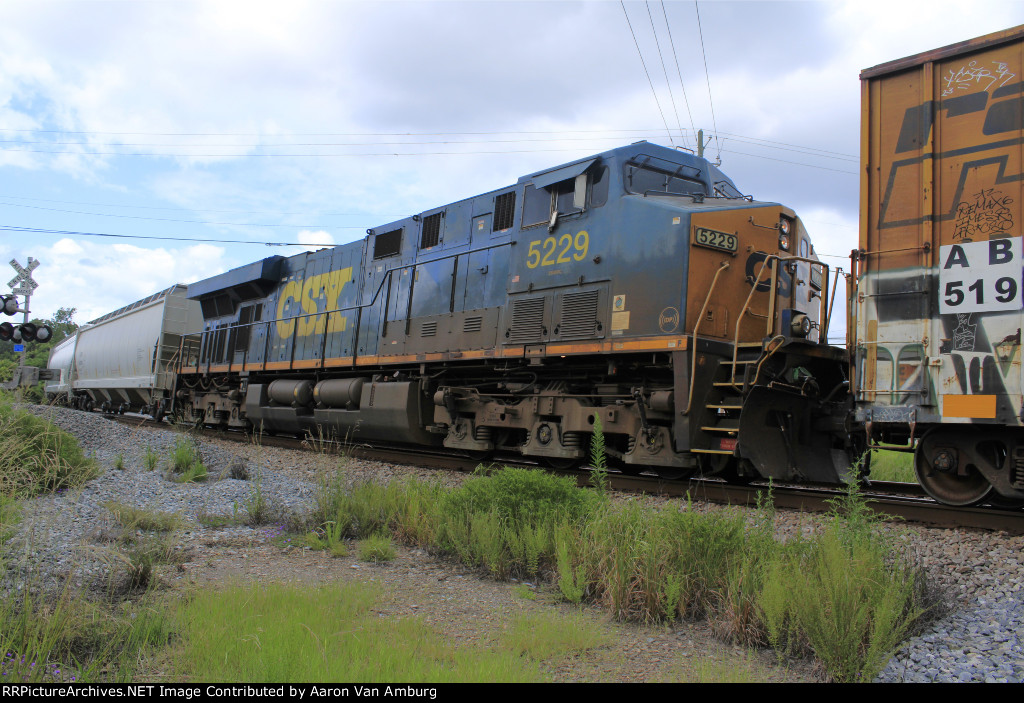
{"x": 897, "y": 501}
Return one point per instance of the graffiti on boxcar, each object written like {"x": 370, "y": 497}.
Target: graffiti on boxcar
{"x": 973, "y": 73}
{"x": 986, "y": 213}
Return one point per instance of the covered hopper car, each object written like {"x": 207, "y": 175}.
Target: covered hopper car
{"x": 125, "y": 359}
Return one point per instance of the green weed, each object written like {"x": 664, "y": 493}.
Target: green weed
{"x": 132, "y": 518}
{"x": 376, "y": 548}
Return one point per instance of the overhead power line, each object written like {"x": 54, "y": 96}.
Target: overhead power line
{"x": 707, "y": 75}
{"x": 646, "y": 72}
{"x": 171, "y": 219}
{"x": 73, "y": 233}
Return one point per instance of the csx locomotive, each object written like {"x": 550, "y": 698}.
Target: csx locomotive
{"x": 637, "y": 289}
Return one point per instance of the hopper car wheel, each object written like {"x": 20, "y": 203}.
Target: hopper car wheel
{"x": 943, "y": 468}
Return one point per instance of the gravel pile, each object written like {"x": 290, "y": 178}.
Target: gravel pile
{"x": 69, "y": 534}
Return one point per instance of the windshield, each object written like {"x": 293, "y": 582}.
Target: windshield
{"x": 647, "y": 174}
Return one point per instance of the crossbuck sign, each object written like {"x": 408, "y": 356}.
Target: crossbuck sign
{"x": 22, "y": 284}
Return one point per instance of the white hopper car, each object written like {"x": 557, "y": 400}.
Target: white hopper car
{"x": 123, "y": 361}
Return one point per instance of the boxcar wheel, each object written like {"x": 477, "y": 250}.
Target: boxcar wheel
{"x": 944, "y": 472}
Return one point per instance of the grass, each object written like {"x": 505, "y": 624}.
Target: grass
{"x": 375, "y": 548}
{"x": 186, "y": 465}
{"x": 546, "y": 636}
{"x": 286, "y": 634}
{"x": 38, "y": 457}
{"x": 132, "y": 518}
{"x": 845, "y": 596}
{"x": 892, "y": 466}
{"x": 151, "y": 459}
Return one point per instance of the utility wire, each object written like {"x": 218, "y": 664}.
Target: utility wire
{"x": 678, "y": 70}
{"x": 171, "y": 219}
{"x": 707, "y": 76}
{"x": 664, "y": 70}
{"x": 647, "y": 73}
{"x": 150, "y": 207}
{"x": 72, "y": 233}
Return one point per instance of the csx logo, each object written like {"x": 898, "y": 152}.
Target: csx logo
{"x": 308, "y": 294}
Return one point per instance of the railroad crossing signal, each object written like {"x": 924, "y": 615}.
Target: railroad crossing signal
{"x": 22, "y": 284}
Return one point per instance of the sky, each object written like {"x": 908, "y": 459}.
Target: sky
{"x": 149, "y": 143}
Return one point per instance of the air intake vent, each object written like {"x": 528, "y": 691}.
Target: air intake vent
{"x": 431, "y": 231}
{"x": 579, "y": 315}
{"x": 473, "y": 324}
{"x": 504, "y": 211}
{"x": 527, "y": 321}
{"x": 428, "y": 329}
{"x": 387, "y": 244}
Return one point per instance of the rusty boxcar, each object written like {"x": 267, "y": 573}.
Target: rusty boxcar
{"x": 937, "y": 307}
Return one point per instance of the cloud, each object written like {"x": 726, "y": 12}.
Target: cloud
{"x": 97, "y": 278}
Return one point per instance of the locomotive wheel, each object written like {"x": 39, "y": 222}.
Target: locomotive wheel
{"x": 959, "y": 486}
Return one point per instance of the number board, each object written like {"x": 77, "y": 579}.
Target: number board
{"x": 980, "y": 276}
{"x": 712, "y": 239}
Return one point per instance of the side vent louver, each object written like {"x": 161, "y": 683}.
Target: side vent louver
{"x": 472, "y": 324}
{"x": 527, "y": 321}
{"x": 579, "y": 315}
{"x": 429, "y": 329}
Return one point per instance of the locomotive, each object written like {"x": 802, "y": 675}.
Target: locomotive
{"x": 637, "y": 289}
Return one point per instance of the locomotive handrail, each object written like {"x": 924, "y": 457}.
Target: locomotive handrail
{"x": 693, "y": 366}
{"x": 824, "y": 312}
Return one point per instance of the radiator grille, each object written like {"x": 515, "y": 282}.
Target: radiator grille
{"x": 527, "y": 321}
{"x": 579, "y": 315}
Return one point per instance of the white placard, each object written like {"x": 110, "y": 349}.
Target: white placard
{"x": 980, "y": 276}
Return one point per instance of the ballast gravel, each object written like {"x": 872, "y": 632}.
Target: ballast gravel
{"x": 70, "y": 535}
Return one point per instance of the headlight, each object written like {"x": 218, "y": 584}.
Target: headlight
{"x": 784, "y": 228}
{"x": 800, "y": 325}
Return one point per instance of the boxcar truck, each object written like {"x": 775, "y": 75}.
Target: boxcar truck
{"x": 935, "y": 329}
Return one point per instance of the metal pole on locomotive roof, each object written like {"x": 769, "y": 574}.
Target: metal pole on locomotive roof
{"x": 22, "y": 284}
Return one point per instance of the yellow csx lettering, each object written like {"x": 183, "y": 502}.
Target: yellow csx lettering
{"x": 307, "y": 294}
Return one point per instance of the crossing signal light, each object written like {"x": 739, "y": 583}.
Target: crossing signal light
{"x": 27, "y": 332}
{"x": 9, "y": 304}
